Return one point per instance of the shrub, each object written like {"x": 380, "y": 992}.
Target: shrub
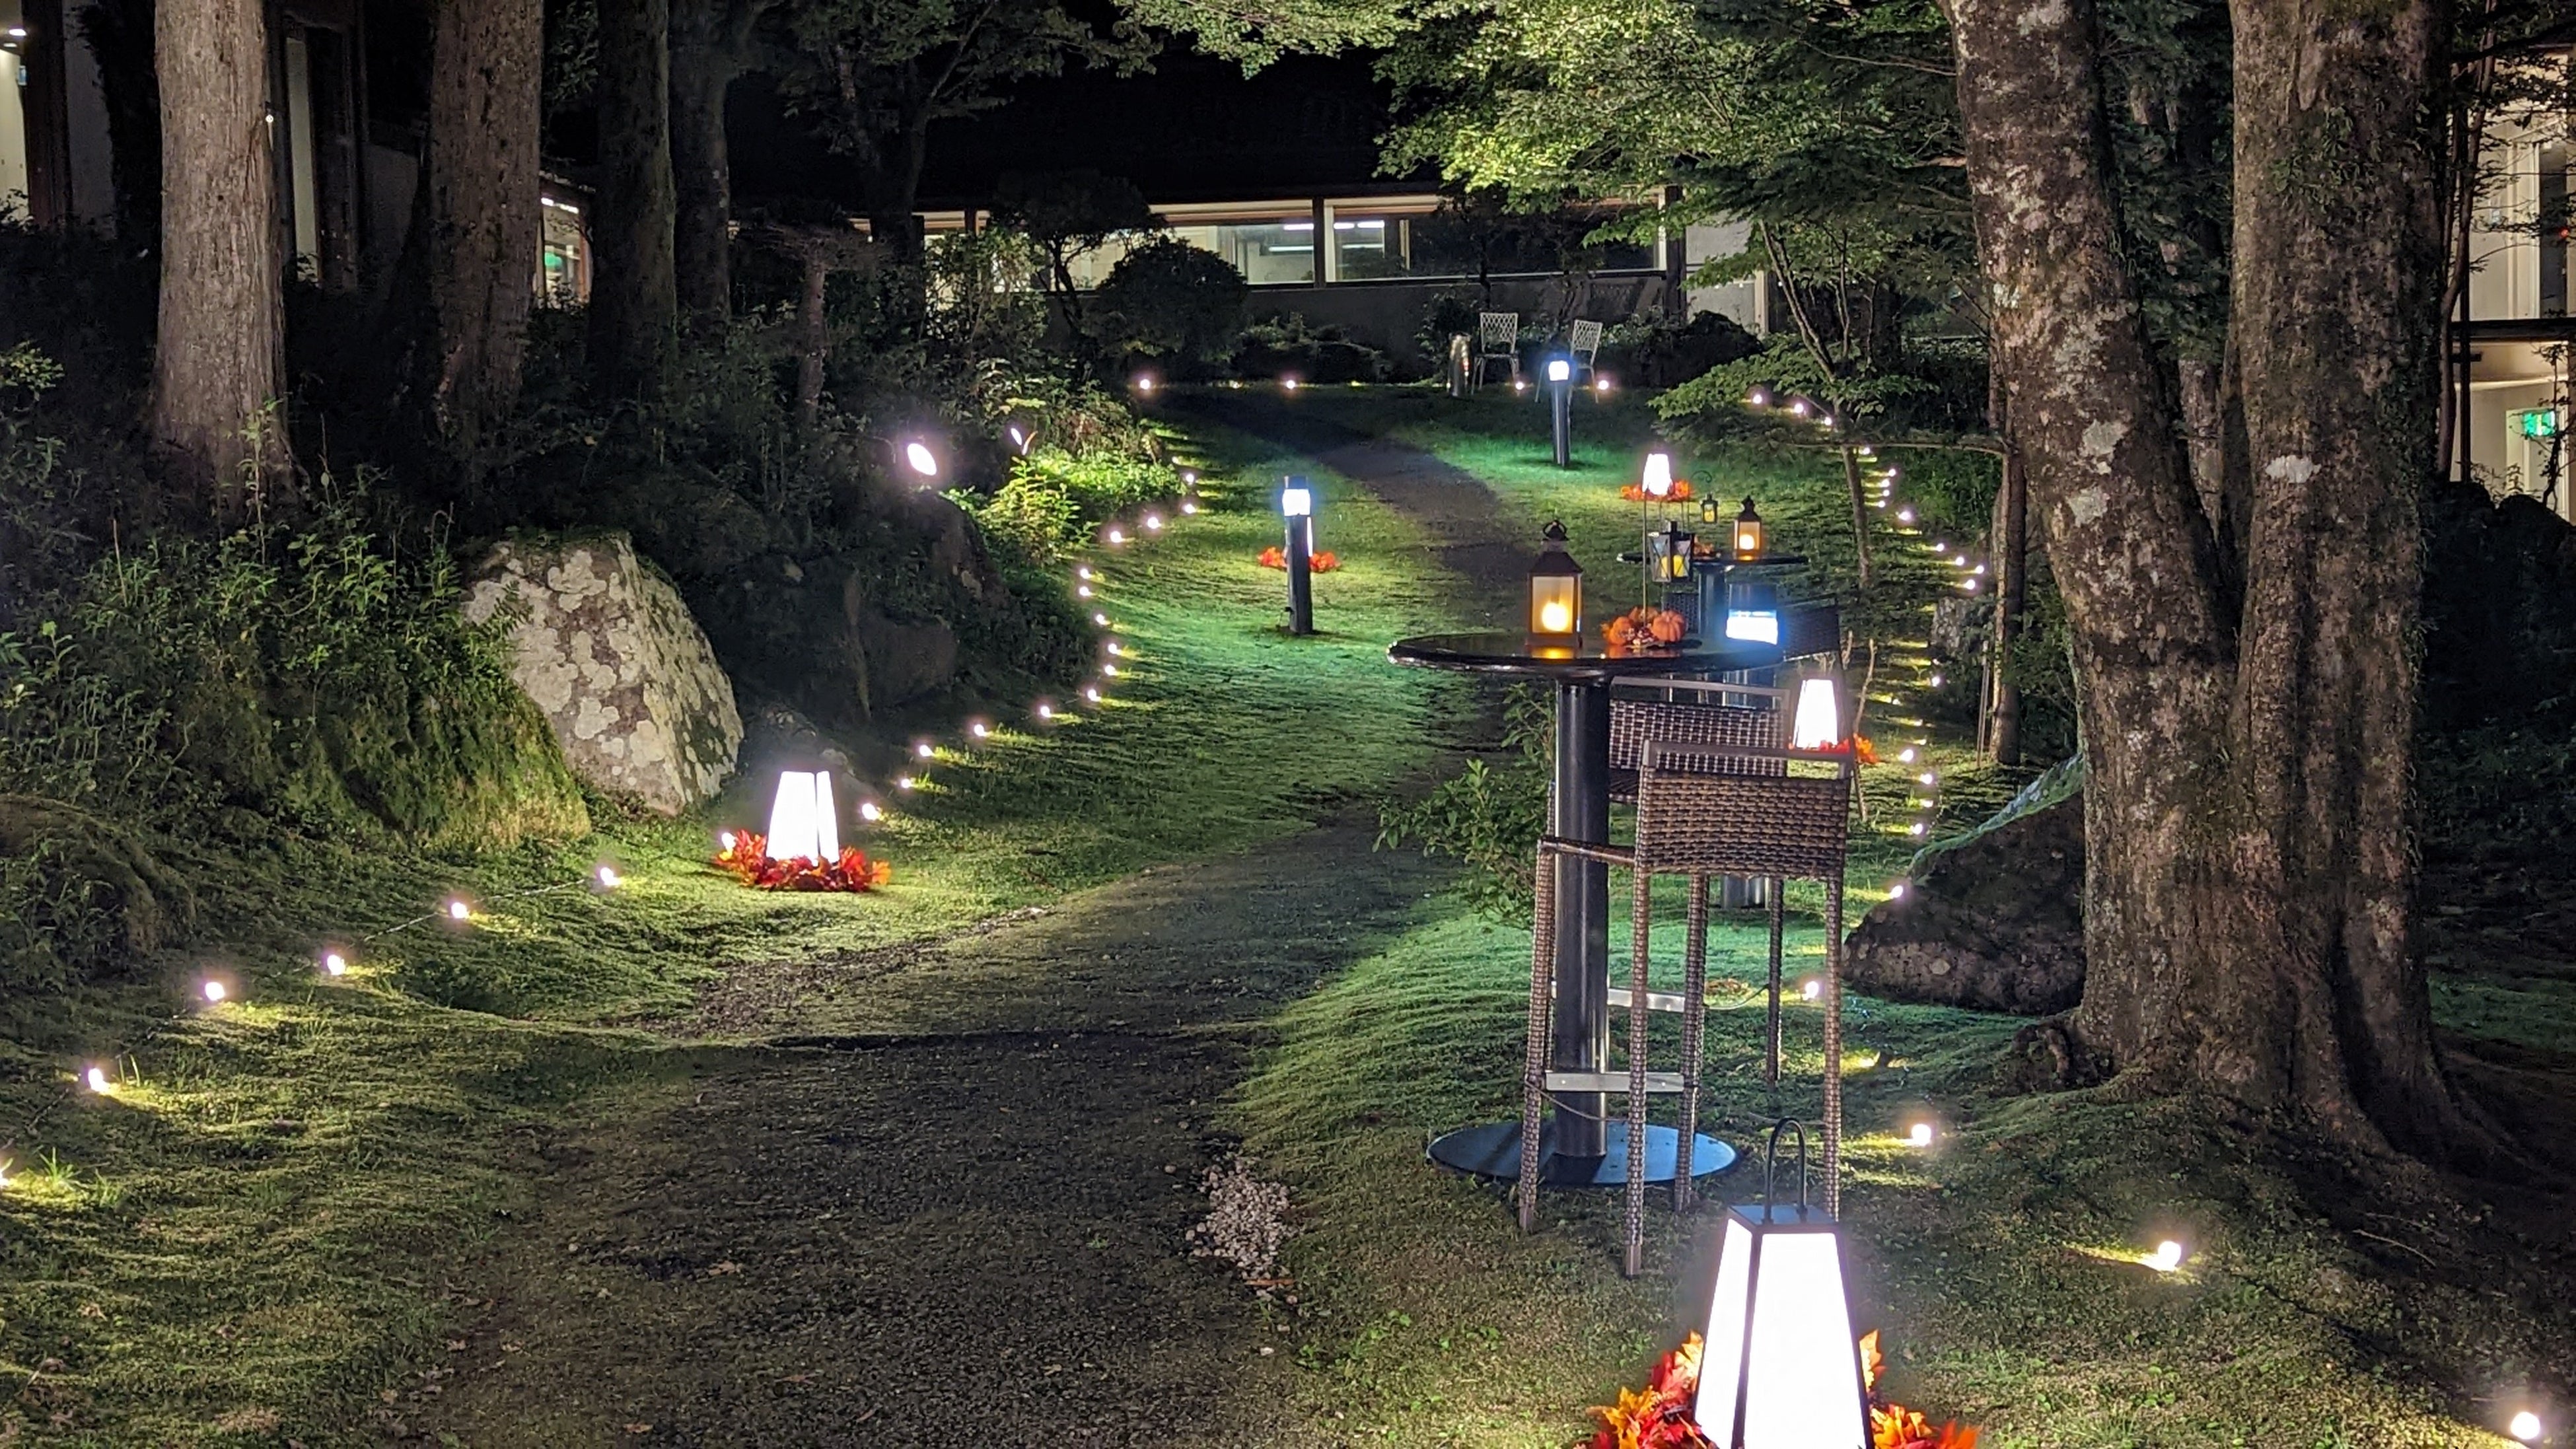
{"x": 1288, "y": 347}
{"x": 1029, "y": 516}
{"x": 1174, "y": 302}
{"x": 1488, "y": 816}
{"x": 1444, "y": 317}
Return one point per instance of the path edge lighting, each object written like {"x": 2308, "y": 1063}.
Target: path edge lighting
{"x": 1297, "y": 510}
{"x": 1780, "y": 1364}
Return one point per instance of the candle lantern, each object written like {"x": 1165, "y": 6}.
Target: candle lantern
{"x": 1668, "y": 558}
{"x": 803, "y": 821}
{"x": 1781, "y": 1369}
{"x": 1817, "y": 723}
{"x": 1752, "y": 611}
{"x": 1748, "y": 533}
{"x": 1556, "y": 589}
{"x": 1708, "y": 511}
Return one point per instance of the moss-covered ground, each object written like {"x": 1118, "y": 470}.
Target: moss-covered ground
{"x": 325, "y": 1211}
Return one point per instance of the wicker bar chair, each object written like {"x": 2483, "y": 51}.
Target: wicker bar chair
{"x": 1703, "y": 810}
{"x": 1693, "y": 711}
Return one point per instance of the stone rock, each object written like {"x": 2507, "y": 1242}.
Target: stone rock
{"x": 617, "y": 665}
{"x": 1992, "y": 922}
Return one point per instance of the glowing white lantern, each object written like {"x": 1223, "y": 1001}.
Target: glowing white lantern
{"x": 803, "y": 823}
{"x": 1781, "y": 1369}
{"x": 1818, "y": 723}
{"x": 1658, "y": 482}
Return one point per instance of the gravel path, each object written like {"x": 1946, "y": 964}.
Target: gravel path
{"x": 947, "y": 1202}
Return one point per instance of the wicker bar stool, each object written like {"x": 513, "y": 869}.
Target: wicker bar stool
{"x": 1703, "y": 810}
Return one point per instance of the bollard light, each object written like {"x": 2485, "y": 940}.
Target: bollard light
{"x": 1556, "y": 589}
{"x": 1560, "y": 404}
{"x": 1297, "y": 508}
{"x": 1781, "y": 1369}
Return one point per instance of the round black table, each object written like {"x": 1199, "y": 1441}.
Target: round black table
{"x": 1579, "y": 1145}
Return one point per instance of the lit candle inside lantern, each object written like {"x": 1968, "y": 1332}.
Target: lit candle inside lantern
{"x": 1748, "y": 533}
{"x": 1556, "y": 588}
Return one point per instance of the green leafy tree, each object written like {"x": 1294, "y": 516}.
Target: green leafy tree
{"x": 1175, "y": 302}
{"x": 1067, "y": 215}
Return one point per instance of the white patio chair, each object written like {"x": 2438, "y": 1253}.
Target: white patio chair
{"x": 1584, "y": 342}
{"x": 1498, "y": 339}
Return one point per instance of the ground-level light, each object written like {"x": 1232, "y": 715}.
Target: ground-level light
{"x": 334, "y": 964}
{"x": 607, "y": 877}
{"x": 458, "y": 910}
{"x": 1153, "y": 523}
{"x": 2167, "y": 1257}
{"x": 918, "y": 457}
{"x": 214, "y": 991}
{"x": 1811, "y": 989}
{"x": 803, "y": 824}
{"x": 904, "y": 782}
{"x": 2525, "y": 1426}
{"x": 1556, "y": 588}
{"x": 870, "y": 811}
{"x": 1781, "y": 1369}
{"x": 923, "y": 749}
{"x": 1100, "y": 619}
{"x": 1117, "y": 535}
{"x": 980, "y": 730}
{"x": 1919, "y": 1135}
{"x": 96, "y": 1080}
{"x": 1818, "y": 722}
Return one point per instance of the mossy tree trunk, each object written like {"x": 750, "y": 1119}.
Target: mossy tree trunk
{"x": 219, "y": 350}
{"x": 2248, "y": 827}
{"x": 482, "y": 185}
{"x": 634, "y": 297}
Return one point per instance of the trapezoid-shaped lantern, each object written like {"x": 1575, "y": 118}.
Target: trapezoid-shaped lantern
{"x": 803, "y": 823}
{"x": 1817, "y": 720}
{"x": 1658, "y": 480}
{"x": 1749, "y": 533}
{"x": 1781, "y": 1369}
{"x": 1556, "y": 589}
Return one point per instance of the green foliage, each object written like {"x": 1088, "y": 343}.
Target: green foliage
{"x": 1173, "y": 302}
{"x": 302, "y": 678}
{"x": 79, "y": 897}
{"x": 1053, "y": 498}
{"x": 1488, "y": 816}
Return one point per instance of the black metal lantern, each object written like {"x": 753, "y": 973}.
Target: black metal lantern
{"x": 1668, "y": 556}
{"x": 1780, "y": 1368}
{"x": 1556, "y": 589}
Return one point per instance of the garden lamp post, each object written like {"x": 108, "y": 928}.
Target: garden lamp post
{"x": 1297, "y": 507}
{"x": 1780, "y": 1368}
{"x": 1560, "y": 406}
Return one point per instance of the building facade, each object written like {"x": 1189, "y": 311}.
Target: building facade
{"x": 2510, "y": 373}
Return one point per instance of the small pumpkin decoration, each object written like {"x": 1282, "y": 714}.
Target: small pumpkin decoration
{"x": 1643, "y": 628}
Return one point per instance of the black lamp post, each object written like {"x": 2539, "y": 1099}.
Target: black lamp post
{"x": 1560, "y": 404}
{"x": 1297, "y": 507}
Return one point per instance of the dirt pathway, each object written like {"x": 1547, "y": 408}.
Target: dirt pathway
{"x": 948, "y": 1203}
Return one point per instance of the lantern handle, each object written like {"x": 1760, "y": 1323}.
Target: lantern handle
{"x": 1771, "y": 1163}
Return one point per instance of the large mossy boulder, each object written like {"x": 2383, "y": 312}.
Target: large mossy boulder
{"x": 1993, "y": 921}
{"x": 612, "y": 657}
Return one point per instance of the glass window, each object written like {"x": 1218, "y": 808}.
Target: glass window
{"x": 13, "y": 128}
{"x": 563, "y": 277}
{"x": 1269, "y": 251}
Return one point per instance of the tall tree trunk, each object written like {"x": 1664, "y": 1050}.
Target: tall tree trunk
{"x": 815, "y": 335}
{"x": 119, "y": 33}
{"x": 634, "y": 291}
{"x": 2012, "y": 566}
{"x": 705, "y": 59}
{"x": 482, "y": 184}
{"x": 1859, "y": 508}
{"x": 2089, "y": 410}
{"x": 2337, "y": 332}
{"x": 2247, "y": 825}
{"x": 219, "y": 356}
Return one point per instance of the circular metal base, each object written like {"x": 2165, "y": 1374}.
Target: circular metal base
{"x": 1493, "y": 1150}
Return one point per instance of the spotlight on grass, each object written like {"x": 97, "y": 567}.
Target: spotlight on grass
{"x": 2167, "y": 1257}
{"x": 607, "y": 877}
{"x": 334, "y": 964}
{"x": 458, "y": 910}
{"x": 1919, "y": 1135}
{"x": 97, "y": 1081}
{"x": 2525, "y": 1426}
{"x": 214, "y": 991}
{"x": 871, "y": 811}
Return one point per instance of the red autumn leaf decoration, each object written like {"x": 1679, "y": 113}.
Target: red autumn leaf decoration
{"x": 1659, "y": 1415}
{"x": 1636, "y": 493}
{"x": 747, "y": 859}
{"x": 1322, "y": 561}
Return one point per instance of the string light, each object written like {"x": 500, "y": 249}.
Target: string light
{"x": 1811, "y": 989}
{"x": 1919, "y": 1135}
{"x": 1100, "y": 619}
{"x": 1896, "y": 892}
{"x": 904, "y": 782}
{"x": 1110, "y": 670}
{"x": 1906, "y": 755}
{"x": 1114, "y": 648}
{"x": 1091, "y": 692}
{"x": 924, "y": 749}
{"x": 2525, "y": 1426}
{"x": 1045, "y": 710}
{"x": 979, "y": 729}
{"x": 1153, "y": 523}
{"x": 608, "y": 877}
{"x": 1117, "y": 536}
{"x": 457, "y": 910}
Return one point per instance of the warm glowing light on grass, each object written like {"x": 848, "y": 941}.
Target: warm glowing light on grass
{"x": 1046, "y": 711}
{"x": 214, "y": 991}
{"x": 1906, "y": 755}
{"x": 2525, "y": 1426}
{"x": 1919, "y": 1135}
{"x": 1100, "y": 619}
{"x": 1811, "y": 989}
{"x": 1153, "y": 523}
{"x": 1091, "y": 692}
{"x": 1115, "y": 647}
{"x": 1896, "y": 892}
{"x": 458, "y": 910}
{"x": 608, "y": 877}
{"x": 334, "y": 964}
{"x": 1082, "y": 591}
{"x": 1914, "y": 829}
{"x": 870, "y": 811}
{"x": 1187, "y": 507}
{"x": 980, "y": 730}
{"x": 1117, "y": 536}
{"x": 1111, "y": 670}
{"x": 2167, "y": 1257}
{"x": 96, "y": 1080}
{"x": 904, "y": 782}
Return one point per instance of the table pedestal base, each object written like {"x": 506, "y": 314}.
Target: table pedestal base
{"x": 1493, "y": 1150}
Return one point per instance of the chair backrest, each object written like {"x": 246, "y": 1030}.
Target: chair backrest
{"x": 1807, "y": 630}
{"x": 1635, "y": 721}
{"x": 1702, "y": 811}
{"x": 1586, "y": 340}
{"x": 1500, "y": 330}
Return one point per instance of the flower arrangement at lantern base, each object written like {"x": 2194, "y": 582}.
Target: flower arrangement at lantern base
{"x": 748, "y": 860}
{"x": 1645, "y": 629}
{"x": 1637, "y": 493}
{"x": 1323, "y": 561}
{"x": 1658, "y": 1416}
